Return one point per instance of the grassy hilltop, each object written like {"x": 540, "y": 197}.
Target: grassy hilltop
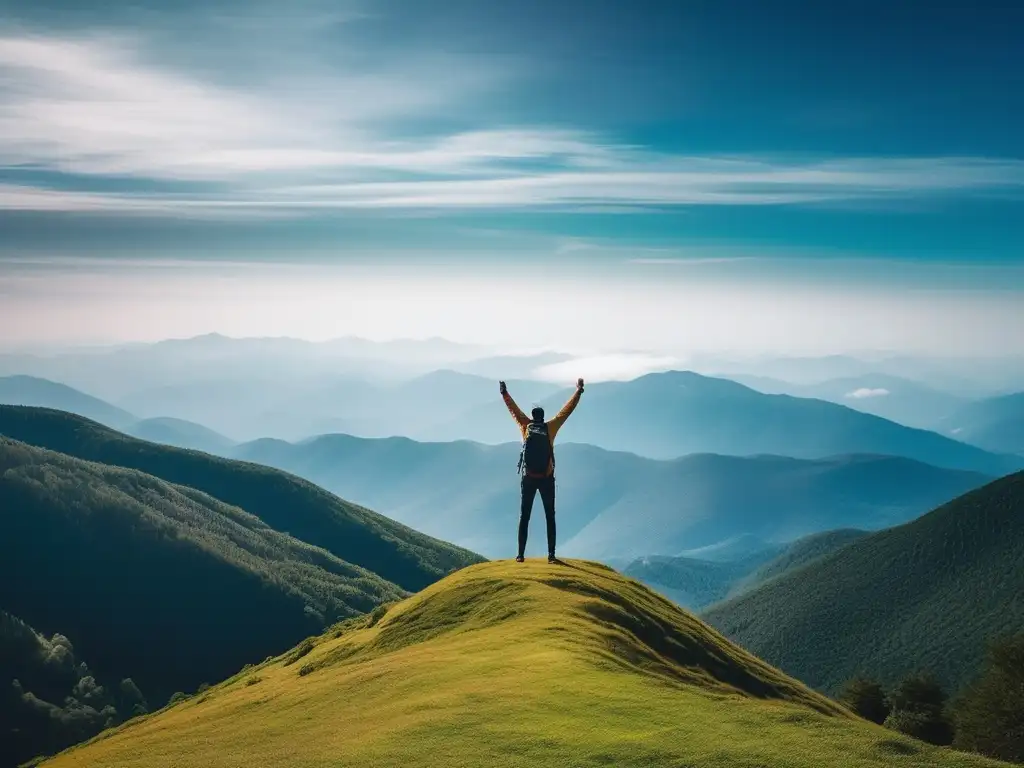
{"x": 505, "y": 664}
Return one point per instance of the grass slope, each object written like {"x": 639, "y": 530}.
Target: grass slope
{"x": 616, "y": 505}
{"x": 928, "y": 594}
{"x": 159, "y": 582}
{"x": 507, "y": 664}
{"x": 33, "y": 391}
{"x": 286, "y": 503}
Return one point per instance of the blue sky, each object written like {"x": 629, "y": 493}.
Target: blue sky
{"x": 863, "y": 147}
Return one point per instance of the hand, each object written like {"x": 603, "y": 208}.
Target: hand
{"x": 579, "y": 384}
{"x": 502, "y": 388}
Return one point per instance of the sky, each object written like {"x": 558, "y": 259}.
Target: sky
{"x": 668, "y": 177}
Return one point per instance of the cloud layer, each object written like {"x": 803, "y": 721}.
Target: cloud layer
{"x": 76, "y": 112}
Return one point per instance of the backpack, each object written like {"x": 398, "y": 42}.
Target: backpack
{"x": 536, "y": 455}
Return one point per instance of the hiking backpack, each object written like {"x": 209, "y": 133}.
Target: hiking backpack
{"x": 536, "y": 455}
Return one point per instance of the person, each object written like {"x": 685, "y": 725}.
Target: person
{"x": 538, "y": 477}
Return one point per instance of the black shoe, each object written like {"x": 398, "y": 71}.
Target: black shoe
{"x": 519, "y": 559}
{"x": 552, "y": 559}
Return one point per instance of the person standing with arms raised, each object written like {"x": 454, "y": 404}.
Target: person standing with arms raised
{"x": 537, "y": 463}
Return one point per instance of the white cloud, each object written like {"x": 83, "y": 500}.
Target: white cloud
{"x": 865, "y": 393}
{"x": 99, "y": 106}
{"x": 620, "y": 367}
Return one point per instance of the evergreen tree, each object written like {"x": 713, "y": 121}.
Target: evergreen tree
{"x": 866, "y": 698}
{"x": 990, "y": 714}
{"x": 918, "y": 709}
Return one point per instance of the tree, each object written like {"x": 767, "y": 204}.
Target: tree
{"x": 989, "y": 715}
{"x": 866, "y": 698}
{"x": 918, "y": 709}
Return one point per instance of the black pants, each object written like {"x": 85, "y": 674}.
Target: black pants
{"x": 530, "y": 487}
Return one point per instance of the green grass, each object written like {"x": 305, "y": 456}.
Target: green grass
{"x": 926, "y": 595}
{"x": 506, "y": 664}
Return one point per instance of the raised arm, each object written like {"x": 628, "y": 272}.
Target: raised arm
{"x": 556, "y": 423}
{"x": 517, "y": 413}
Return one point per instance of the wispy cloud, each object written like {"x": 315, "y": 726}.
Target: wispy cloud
{"x": 683, "y": 261}
{"x": 97, "y": 106}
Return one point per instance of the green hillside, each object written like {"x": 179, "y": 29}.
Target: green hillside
{"x": 284, "y": 502}
{"x": 797, "y": 554}
{"x": 929, "y": 594}
{"x": 506, "y": 664}
{"x": 160, "y": 582}
{"x": 616, "y": 505}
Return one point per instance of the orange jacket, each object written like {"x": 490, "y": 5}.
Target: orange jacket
{"x": 553, "y": 424}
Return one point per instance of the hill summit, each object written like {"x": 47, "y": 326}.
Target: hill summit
{"x": 505, "y": 664}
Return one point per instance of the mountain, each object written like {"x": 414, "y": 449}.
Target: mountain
{"x": 665, "y": 415}
{"x": 929, "y": 594}
{"x": 615, "y": 505}
{"x": 696, "y": 583}
{"x": 29, "y": 390}
{"x": 890, "y": 397}
{"x": 507, "y": 664}
{"x": 181, "y": 434}
{"x": 151, "y": 581}
{"x": 995, "y": 424}
{"x": 436, "y": 405}
{"x": 113, "y": 372}
{"x": 969, "y": 377}
{"x": 284, "y": 502}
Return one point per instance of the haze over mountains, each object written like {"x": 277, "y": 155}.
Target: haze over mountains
{"x": 616, "y": 505}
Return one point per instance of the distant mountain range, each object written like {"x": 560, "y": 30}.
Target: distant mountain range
{"x": 181, "y": 434}
{"x": 658, "y": 416}
{"x": 32, "y": 391}
{"x": 695, "y": 583}
{"x": 673, "y": 414}
{"x": 890, "y": 397}
{"x": 615, "y": 505}
{"x": 929, "y": 594}
{"x": 995, "y": 424}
